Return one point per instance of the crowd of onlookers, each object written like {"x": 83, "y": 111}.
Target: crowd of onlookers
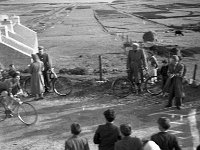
{"x": 108, "y": 136}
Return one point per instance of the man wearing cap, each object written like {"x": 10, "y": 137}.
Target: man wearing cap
{"x": 136, "y": 62}
{"x": 163, "y": 139}
{"x": 175, "y": 72}
{"x": 128, "y": 142}
{"x": 44, "y": 57}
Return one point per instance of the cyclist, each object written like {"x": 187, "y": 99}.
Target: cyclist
{"x": 8, "y": 88}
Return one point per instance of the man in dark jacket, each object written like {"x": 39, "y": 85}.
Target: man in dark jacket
{"x": 175, "y": 72}
{"x": 76, "y": 142}
{"x": 128, "y": 142}
{"x": 44, "y": 57}
{"x": 163, "y": 139}
{"x": 107, "y": 134}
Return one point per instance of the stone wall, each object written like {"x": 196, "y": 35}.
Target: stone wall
{"x": 9, "y": 55}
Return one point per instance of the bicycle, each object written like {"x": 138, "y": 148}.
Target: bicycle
{"x": 24, "y": 111}
{"x": 62, "y": 86}
{"x": 123, "y": 87}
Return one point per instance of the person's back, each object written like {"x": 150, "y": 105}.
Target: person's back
{"x": 128, "y": 142}
{"x": 76, "y": 143}
{"x": 163, "y": 139}
{"x": 107, "y": 134}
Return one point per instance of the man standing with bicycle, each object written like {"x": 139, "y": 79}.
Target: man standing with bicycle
{"x": 44, "y": 57}
{"x": 136, "y": 63}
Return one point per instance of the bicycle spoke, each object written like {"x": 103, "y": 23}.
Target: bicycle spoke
{"x": 154, "y": 85}
{"x": 62, "y": 86}
{"x": 27, "y": 113}
{"x": 122, "y": 87}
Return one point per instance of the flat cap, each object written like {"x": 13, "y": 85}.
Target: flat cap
{"x": 40, "y": 47}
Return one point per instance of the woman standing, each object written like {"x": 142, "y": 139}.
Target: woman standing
{"x": 37, "y": 80}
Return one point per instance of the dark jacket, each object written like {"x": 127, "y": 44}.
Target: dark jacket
{"x": 129, "y": 143}
{"x": 166, "y": 141}
{"x": 76, "y": 143}
{"x": 106, "y": 135}
{"x": 176, "y": 84}
{"x": 164, "y": 71}
{"x": 46, "y": 60}
{"x": 136, "y": 59}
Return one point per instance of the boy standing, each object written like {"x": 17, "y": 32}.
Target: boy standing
{"x": 76, "y": 142}
{"x": 163, "y": 139}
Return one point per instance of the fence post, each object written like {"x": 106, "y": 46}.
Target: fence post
{"x": 127, "y": 39}
{"x": 169, "y": 57}
{"x": 195, "y": 72}
{"x": 100, "y": 67}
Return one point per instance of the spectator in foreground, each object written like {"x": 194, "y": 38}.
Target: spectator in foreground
{"x": 198, "y": 147}
{"x": 150, "y": 145}
{"x": 136, "y": 63}
{"x": 163, "y": 139}
{"x": 175, "y": 72}
{"x": 44, "y": 57}
{"x": 76, "y": 142}
{"x": 128, "y": 142}
{"x": 37, "y": 81}
{"x": 107, "y": 134}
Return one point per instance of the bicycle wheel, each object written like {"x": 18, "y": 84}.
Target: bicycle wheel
{"x": 27, "y": 86}
{"x": 122, "y": 87}
{"x": 153, "y": 85}
{"x": 2, "y": 112}
{"x": 27, "y": 113}
{"x": 62, "y": 86}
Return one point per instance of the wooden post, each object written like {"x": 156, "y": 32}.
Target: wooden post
{"x": 195, "y": 72}
{"x": 169, "y": 57}
{"x": 122, "y": 36}
{"x": 127, "y": 39}
{"x": 100, "y": 68}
